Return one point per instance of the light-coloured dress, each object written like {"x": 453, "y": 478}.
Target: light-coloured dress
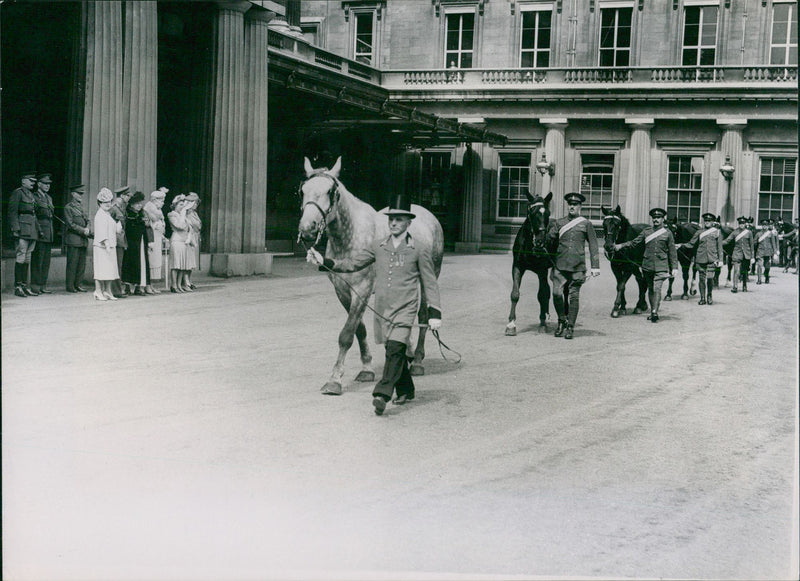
{"x": 181, "y": 248}
{"x": 196, "y": 224}
{"x": 104, "y": 256}
{"x": 158, "y": 224}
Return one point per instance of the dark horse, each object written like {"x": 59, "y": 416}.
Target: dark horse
{"x": 351, "y": 226}
{"x": 683, "y": 232}
{"x": 530, "y": 254}
{"x": 624, "y": 263}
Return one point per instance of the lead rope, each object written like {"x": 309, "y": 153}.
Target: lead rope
{"x": 435, "y": 334}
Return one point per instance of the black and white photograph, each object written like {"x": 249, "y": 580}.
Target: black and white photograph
{"x": 399, "y": 290}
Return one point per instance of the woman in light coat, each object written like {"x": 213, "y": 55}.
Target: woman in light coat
{"x": 181, "y": 253}
{"x": 157, "y": 223}
{"x": 104, "y": 251}
{"x": 196, "y": 225}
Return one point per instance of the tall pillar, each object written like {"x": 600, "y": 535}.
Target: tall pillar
{"x": 256, "y": 125}
{"x": 140, "y": 96}
{"x": 471, "y": 216}
{"x": 554, "y": 144}
{"x": 638, "y": 198}
{"x": 227, "y": 163}
{"x": 730, "y": 194}
{"x": 101, "y": 159}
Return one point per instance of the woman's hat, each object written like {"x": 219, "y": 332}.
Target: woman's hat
{"x": 658, "y": 212}
{"x": 177, "y": 199}
{"x": 399, "y": 206}
{"x": 157, "y": 195}
{"x": 105, "y": 195}
{"x": 136, "y": 198}
{"x": 192, "y": 197}
{"x": 164, "y": 189}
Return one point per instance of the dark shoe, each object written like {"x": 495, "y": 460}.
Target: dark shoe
{"x": 81, "y": 289}
{"x": 766, "y": 280}
{"x": 380, "y": 404}
{"x": 71, "y": 290}
{"x": 19, "y": 290}
{"x": 744, "y": 288}
{"x": 45, "y": 291}
{"x": 733, "y": 290}
{"x": 191, "y": 286}
{"x": 560, "y": 329}
{"x": 172, "y": 289}
{"x": 654, "y": 318}
{"x": 568, "y": 332}
{"x": 758, "y": 282}
{"x": 139, "y": 292}
{"x": 702, "y": 302}
{"x": 710, "y": 300}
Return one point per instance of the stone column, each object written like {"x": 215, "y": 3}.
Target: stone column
{"x": 101, "y": 160}
{"x": 730, "y": 201}
{"x": 256, "y": 124}
{"x": 140, "y": 96}
{"x": 471, "y": 216}
{"x": 638, "y": 198}
{"x": 554, "y": 143}
{"x": 227, "y": 163}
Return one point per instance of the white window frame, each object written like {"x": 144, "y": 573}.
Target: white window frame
{"x": 793, "y": 193}
{"x": 703, "y": 175}
{"x": 460, "y": 10}
{"x": 700, "y": 46}
{"x": 787, "y": 46}
{"x": 614, "y": 6}
{"x": 539, "y": 7}
{"x": 355, "y": 14}
{"x": 613, "y": 153}
{"x": 531, "y": 171}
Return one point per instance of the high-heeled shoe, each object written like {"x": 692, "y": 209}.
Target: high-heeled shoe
{"x": 99, "y": 296}
{"x": 172, "y": 289}
{"x": 109, "y": 296}
{"x": 139, "y": 292}
{"x": 149, "y": 290}
{"x": 187, "y": 289}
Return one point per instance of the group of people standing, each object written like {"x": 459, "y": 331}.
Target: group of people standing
{"x": 127, "y": 235}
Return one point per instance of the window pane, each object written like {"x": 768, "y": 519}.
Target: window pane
{"x": 606, "y": 58}
{"x": 707, "y": 56}
{"x": 466, "y": 40}
{"x": 624, "y": 36}
{"x": 779, "y": 31}
{"x": 544, "y": 38}
{"x": 623, "y": 58}
{"x": 527, "y": 60}
{"x": 691, "y": 34}
{"x": 689, "y": 57}
{"x": 543, "y": 60}
{"x": 777, "y": 55}
{"x": 466, "y": 61}
{"x": 452, "y": 38}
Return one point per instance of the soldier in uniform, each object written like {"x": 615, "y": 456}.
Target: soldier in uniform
{"x": 40, "y": 258}
{"x": 24, "y": 229}
{"x": 660, "y": 258}
{"x": 766, "y": 244}
{"x": 566, "y": 241}
{"x": 742, "y": 240}
{"x": 118, "y": 211}
{"x": 77, "y": 230}
{"x": 402, "y": 263}
{"x": 783, "y": 229}
{"x": 706, "y": 245}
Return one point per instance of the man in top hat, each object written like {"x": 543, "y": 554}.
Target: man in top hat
{"x": 118, "y": 211}
{"x": 764, "y": 247}
{"x": 706, "y": 245}
{"x": 77, "y": 231}
{"x": 742, "y": 252}
{"x": 402, "y": 263}
{"x": 25, "y": 230}
{"x": 40, "y": 258}
{"x": 660, "y": 258}
{"x": 566, "y": 241}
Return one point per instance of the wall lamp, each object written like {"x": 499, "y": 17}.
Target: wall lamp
{"x": 727, "y": 169}
{"x": 545, "y": 166}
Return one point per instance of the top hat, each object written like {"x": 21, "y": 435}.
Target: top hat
{"x": 45, "y": 178}
{"x": 78, "y": 189}
{"x": 575, "y": 198}
{"x": 709, "y": 217}
{"x": 399, "y": 206}
{"x": 658, "y": 212}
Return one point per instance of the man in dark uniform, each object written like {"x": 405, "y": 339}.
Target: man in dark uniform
{"x": 766, "y": 244}
{"x": 40, "y": 258}
{"x": 402, "y": 264}
{"x": 660, "y": 258}
{"x": 24, "y": 229}
{"x": 77, "y": 230}
{"x": 118, "y": 211}
{"x": 784, "y": 229}
{"x": 750, "y": 267}
{"x": 706, "y": 245}
{"x": 566, "y": 240}
{"x": 742, "y": 240}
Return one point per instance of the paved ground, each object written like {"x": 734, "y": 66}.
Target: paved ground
{"x": 184, "y": 437}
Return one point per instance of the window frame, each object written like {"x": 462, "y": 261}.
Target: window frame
{"x": 793, "y": 16}
{"x": 699, "y": 47}
{"x": 531, "y": 152}
{"x": 793, "y": 194}
{"x": 443, "y": 186}
{"x": 537, "y": 8}
{"x": 355, "y": 14}
{"x": 702, "y": 190}
{"x": 605, "y": 7}
{"x": 474, "y": 52}
{"x": 587, "y": 207}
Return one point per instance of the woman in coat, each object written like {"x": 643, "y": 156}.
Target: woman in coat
{"x": 104, "y": 251}
{"x": 181, "y": 252}
{"x": 136, "y": 264}
{"x": 152, "y": 210}
{"x": 196, "y": 225}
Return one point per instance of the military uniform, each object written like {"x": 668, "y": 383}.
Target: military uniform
{"x": 660, "y": 258}
{"x": 77, "y": 231}
{"x": 40, "y": 259}
{"x": 399, "y": 272}
{"x": 766, "y": 245}
{"x": 566, "y": 241}
{"x": 742, "y": 239}
{"x": 25, "y": 230}
{"x": 707, "y": 246}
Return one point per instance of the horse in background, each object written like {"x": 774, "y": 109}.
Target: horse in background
{"x": 530, "y": 254}
{"x": 626, "y": 262}
{"x": 351, "y": 226}
{"x": 683, "y": 232}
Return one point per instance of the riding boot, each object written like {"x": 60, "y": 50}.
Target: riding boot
{"x": 560, "y": 327}
{"x": 19, "y": 286}
{"x": 710, "y": 300}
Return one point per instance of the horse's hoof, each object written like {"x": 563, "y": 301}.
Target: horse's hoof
{"x": 614, "y": 314}
{"x": 511, "y": 331}
{"x": 694, "y": 292}
{"x": 417, "y": 369}
{"x": 638, "y": 311}
{"x": 365, "y": 375}
{"x": 668, "y": 298}
{"x": 332, "y": 388}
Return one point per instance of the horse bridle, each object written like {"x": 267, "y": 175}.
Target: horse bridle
{"x": 538, "y": 242}
{"x": 333, "y": 198}
{"x": 611, "y": 217}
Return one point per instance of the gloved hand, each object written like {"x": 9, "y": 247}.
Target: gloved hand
{"x": 314, "y": 257}
{"x": 595, "y": 272}
{"x": 435, "y": 324}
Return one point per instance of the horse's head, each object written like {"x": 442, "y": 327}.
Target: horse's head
{"x": 538, "y": 213}
{"x": 613, "y": 225}
{"x": 320, "y": 194}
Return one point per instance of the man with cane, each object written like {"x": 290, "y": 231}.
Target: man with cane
{"x": 402, "y": 263}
